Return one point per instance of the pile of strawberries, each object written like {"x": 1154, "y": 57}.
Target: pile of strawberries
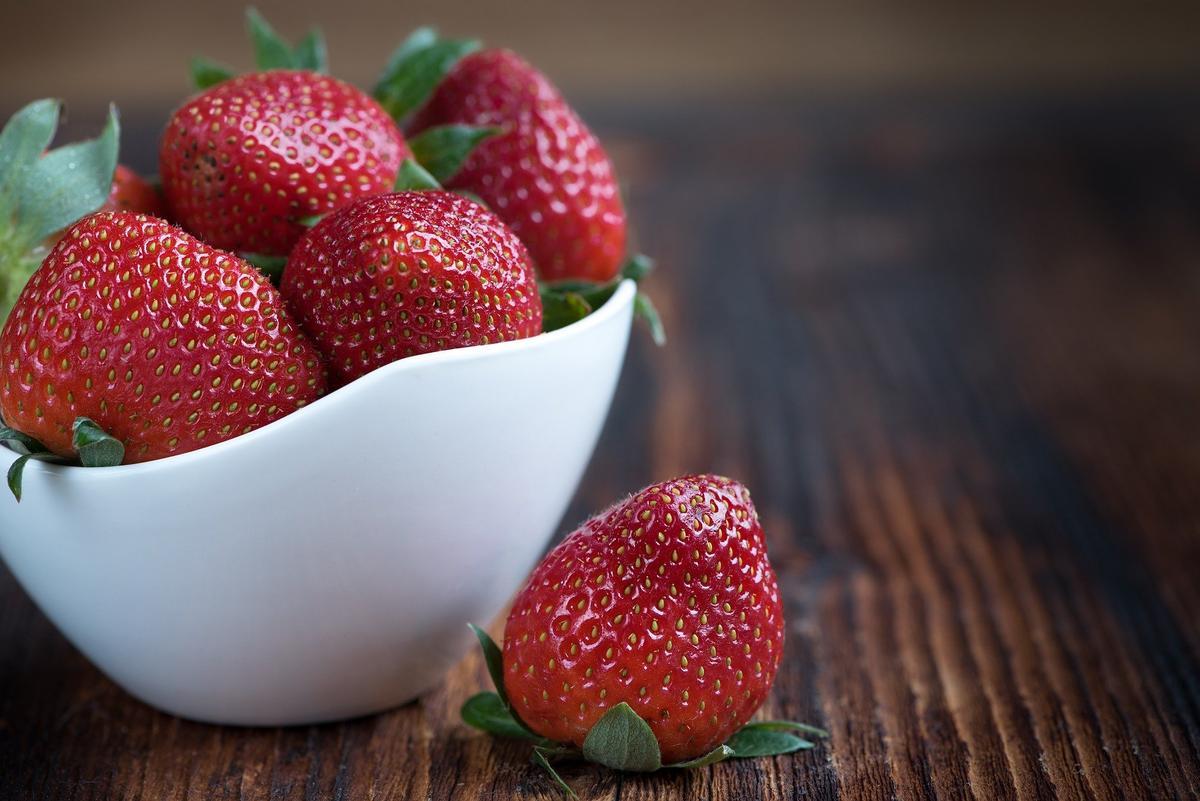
{"x": 301, "y": 238}
{"x": 307, "y": 233}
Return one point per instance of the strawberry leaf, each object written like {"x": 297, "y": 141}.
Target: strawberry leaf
{"x": 489, "y": 712}
{"x": 561, "y": 308}
{"x": 623, "y": 741}
{"x": 718, "y": 754}
{"x": 644, "y": 310}
{"x": 43, "y": 192}
{"x": 73, "y": 180}
{"x": 565, "y": 302}
{"x": 540, "y": 758}
{"x": 24, "y": 138}
{"x": 493, "y": 658}
{"x": 207, "y": 73}
{"x": 272, "y": 51}
{"x": 443, "y": 149}
{"x": 751, "y": 742}
{"x": 15, "y": 472}
{"x": 96, "y": 447}
{"x": 412, "y": 177}
{"x": 637, "y": 267}
{"x": 787, "y": 725}
{"x": 415, "y": 68}
{"x": 312, "y": 53}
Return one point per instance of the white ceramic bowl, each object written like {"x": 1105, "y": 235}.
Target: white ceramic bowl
{"x": 326, "y": 565}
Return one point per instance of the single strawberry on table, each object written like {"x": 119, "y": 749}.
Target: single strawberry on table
{"x": 648, "y": 638}
{"x": 543, "y": 172}
{"x": 166, "y": 343}
{"x": 405, "y": 273}
{"x": 246, "y": 161}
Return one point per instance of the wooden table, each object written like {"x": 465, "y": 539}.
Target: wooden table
{"x": 954, "y": 349}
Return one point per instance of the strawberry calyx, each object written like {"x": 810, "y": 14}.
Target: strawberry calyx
{"x": 271, "y": 52}
{"x": 42, "y": 192}
{"x": 620, "y": 739}
{"x": 415, "y": 69}
{"x": 566, "y": 302}
{"x": 95, "y": 446}
{"x": 412, "y": 177}
{"x": 444, "y": 149}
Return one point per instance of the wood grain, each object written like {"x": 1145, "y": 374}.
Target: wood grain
{"x": 954, "y": 349}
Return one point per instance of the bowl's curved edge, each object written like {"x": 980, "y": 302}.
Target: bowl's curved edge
{"x": 620, "y": 300}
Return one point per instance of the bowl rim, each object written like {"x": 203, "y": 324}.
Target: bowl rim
{"x": 621, "y": 299}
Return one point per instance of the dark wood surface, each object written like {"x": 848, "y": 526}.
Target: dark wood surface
{"x": 954, "y": 349}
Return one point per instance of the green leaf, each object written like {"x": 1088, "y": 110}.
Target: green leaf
{"x": 787, "y": 725}
{"x": 414, "y": 178}
{"x": 623, "y": 741}
{"x": 637, "y": 267}
{"x": 21, "y": 443}
{"x": 490, "y": 713}
{"x": 416, "y": 68}
{"x": 207, "y": 73}
{"x": 270, "y": 266}
{"x": 15, "y": 473}
{"x": 16, "y": 470}
{"x": 560, "y": 309}
{"x": 493, "y": 657}
{"x": 443, "y": 149}
{"x": 718, "y": 754}
{"x": 312, "y": 53}
{"x": 539, "y": 759}
{"x": 420, "y": 39}
{"x": 750, "y": 742}
{"x": 25, "y": 137}
{"x": 96, "y": 447}
{"x": 271, "y": 51}
{"x": 311, "y": 220}
{"x": 68, "y": 182}
{"x": 644, "y": 310}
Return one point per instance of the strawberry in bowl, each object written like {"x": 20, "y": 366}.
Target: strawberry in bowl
{"x": 268, "y": 456}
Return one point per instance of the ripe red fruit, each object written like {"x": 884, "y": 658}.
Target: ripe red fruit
{"x": 243, "y": 162}
{"x": 131, "y": 192}
{"x": 406, "y": 273}
{"x": 667, "y": 602}
{"x": 545, "y": 174}
{"x": 165, "y": 342}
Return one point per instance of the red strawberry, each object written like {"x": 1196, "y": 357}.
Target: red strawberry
{"x": 131, "y": 192}
{"x": 545, "y": 174}
{"x": 244, "y": 161}
{"x": 165, "y": 342}
{"x": 406, "y": 273}
{"x": 665, "y": 602}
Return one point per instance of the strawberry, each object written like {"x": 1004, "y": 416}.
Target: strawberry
{"x": 246, "y": 160}
{"x": 667, "y": 602}
{"x": 544, "y": 173}
{"x": 131, "y": 192}
{"x": 167, "y": 343}
{"x": 646, "y": 639}
{"x": 405, "y": 273}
